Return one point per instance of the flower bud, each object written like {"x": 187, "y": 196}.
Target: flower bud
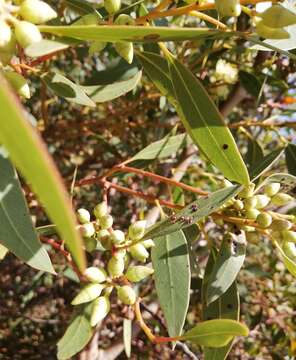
{"x": 96, "y": 47}
{"x": 252, "y": 214}
{"x": 247, "y": 191}
{"x": 279, "y": 225}
{"x": 117, "y": 237}
{"x": 138, "y": 273}
{"x": 277, "y": 236}
{"x": 95, "y": 274}
{"x": 5, "y": 34}
{"x": 90, "y": 244}
{"x": 125, "y": 50}
{"x": 149, "y": 243}
{"x": 120, "y": 253}
{"x": 139, "y": 252}
{"x": 264, "y": 220}
{"x": 272, "y": 189}
{"x": 228, "y": 7}
{"x": 289, "y": 236}
{"x": 112, "y": 6}
{"x": 36, "y": 11}
{"x": 106, "y": 222}
{"x": 281, "y": 199}
{"x": 116, "y": 266}
{"x": 271, "y": 33}
{"x": 289, "y": 248}
{"x": 137, "y": 230}
{"x": 126, "y": 294}
{"x": 101, "y": 210}
{"x": 101, "y": 308}
{"x": 87, "y": 230}
{"x": 88, "y": 293}
{"x": 27, "y": 33}
{"x": 103, "y": 237}
{"x": 238, "y": 205}
{"x": 262, "y": 201}
{"x": 277, "y": 16}
{"x": 83, "y": 216}
{"x": 250, "y": 203}
{"x": 124, "y": 19}
{"x": 18, "y": 83}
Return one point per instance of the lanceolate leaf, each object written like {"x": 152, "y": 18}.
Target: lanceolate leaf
{"x": 204, "y": 206}
{"x": 76, "y": 336}
{"x": 262, "y": 165}
{"x": 228, "y": 264}
{"x": 16, "y": 229}
{"x": 32, "y": 159}
{"x": 215, "y": 333}
{"x": 205, "y": 125}
{"x": 226, "y": 307}
{"x": 290, "y": 153}
{"x": 45, "y": 47}
{"x": 171, "y": 265}
{"x": 289, "y": 263}
{"x": 254, "y": 153}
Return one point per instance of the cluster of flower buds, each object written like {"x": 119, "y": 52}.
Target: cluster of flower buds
{"x": 259, "y": 211}
{"x": 120, "y": 270}
{"x": 18, "y": 20}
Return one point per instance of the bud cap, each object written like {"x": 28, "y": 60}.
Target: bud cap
{"x": 101, "y": 308}
{"x": 138, "y": 273}
{"x": 126, "y": 294}
{"x": 88, "y": 293}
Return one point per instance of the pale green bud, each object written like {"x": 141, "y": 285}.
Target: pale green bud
{"x": 117, "y": 237}
{"x": 264, "y": 220}
{"x": 125, "y": 50}
{"x": 95, "y": 274}
{"x": 87, "y": 230}
{"x": 83, "y": 216}
{"x": 272, "y": 189}
{"x": 289, "y": 236}
{"x": 248, "y": 228}
{"x": 238, "y": 205}
{"x": 5, "y": 34}
{"x": 120, "y": 253}
{"x": 88, "y": 293}
{"x": 18, "y": 83}
{"x": 96, "y": 47}
{"x": 124, "y": 19}
{"x": 252, "y": 214}
{"x": 27, "y": 33}
{"x": 90, "y": 244}
{"x": 262, "y": 201}
{"x": 279, "y": 225}
{"x": 137, "y": 230}
{"x": 289, "y": 248}
{"x": 36, "y": 11}
{"x": 116, "y": 266}
{"x": 126, "y": 294}
{"x": 106, "y": 222}
{"x": 250, "y": 203}
{"x": 277, "y": 16}
{"x": 139, "y": 252}
{"x": 101, "y": 210}
{"x": 281, "y": 199}
{"x": 101, "y": 308}
{"x": 247, "y": 192}
{"x": 103, "y": 237}
{"x": 149, "y": 243}
{"x": 228, "y": 7}
{"x": 271, "y": 33}
{"x": 138, "y": 273}
{"x": 7, "y": 51}
{"x": 112, "y": 6}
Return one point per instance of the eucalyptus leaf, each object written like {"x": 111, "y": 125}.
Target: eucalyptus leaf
{"x": 290, "y": 153}
{"x": 227, "y": 266}
{"x": 17, "y": 232}
{"x": 171, "y": 266}
{"x": 289, "y": 263}
{"x": 127, "y": 336}
{"x": 262, "y": 165}
{"x": 254, "y": 153}
{"x": 45, "y": 47}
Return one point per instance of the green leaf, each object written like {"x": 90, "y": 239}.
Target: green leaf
{"x": 65, "y": 88}
{"x": 226, "y": 307}
{"x": 205, "y": 125}
{"x": 45, "y": 47}
{"x": 228, "y": 264}
{"x": 76, "y": 336}
{"x": 290, "y": 153}
{"x": 127, "y": 336}
{"x": 250, "y": 82}
{"x": 115, "y": 33}
{"x": 262, "y": 165}
{"x": 31, "y": 157}
{"x": 171, "y": 266}
{"x": 80, "y": 6}
{"x": 205, "y": 206}
{"x": 162, "y": 148}
{"x": 3, "y": 252}
{"x": 16, "y": 230}
{"x": 102, "y": 93}
{"x": 289, "y": 263}
{"x": 254, "y": 153}
{"x": 215, "y": 333}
